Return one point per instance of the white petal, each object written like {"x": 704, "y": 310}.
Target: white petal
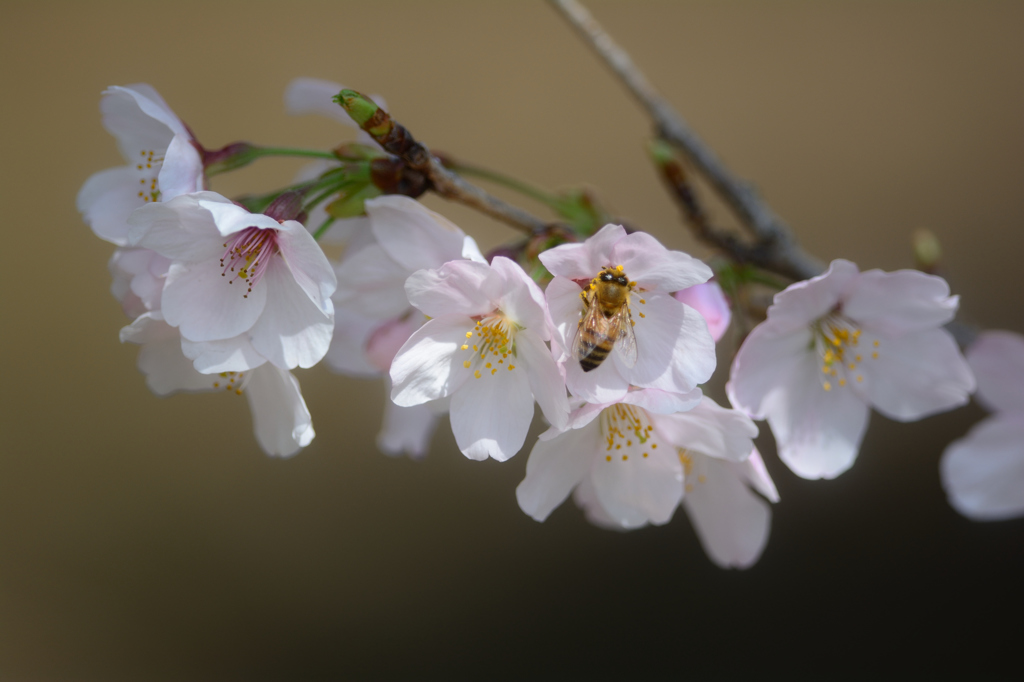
{"x": 347, "y": 354}
{"x": 279, "y": 415}
{"x": 915, "y": 375}
{"x": 407, "y": 430}
{"x": 546, "y": 381}
{"x": 566, "y": 308}
{"x": 763, "y": 365}
{"x": 583, "y": 261}
{"x": 636, "y": 490}
{"x": 140, "y": 120}
{"x": 691, "y": 357}
{"x": 520, "y": 299}
{"x": 803, "y": 302}
{"x": 180, "y": 229}
{"x": 818, "y": 432}
{"x": 709, "y": 300}
{"x": 429, "y": 365}
{"x": 160, "y": 358}
{"x": 983, "y": 474}
{"x": 231, "y": 218}
{"x": 586, "y": 499}
{"x": 292, "y": 331}
{"x": 315, "y": 96}
{"x": 200, "y": 301}
{"x": 413, "y": 235}
{"x": 372, "y": 284}
{"x": 654, "y": 267}
{"x": 731, "y": 521}
{"x": 756, "y": 475}
{"x": 656, "y": 401}
{"x": 455, "y": 288}
{"x": 554, "y": 468}
{"x": 902, "y": 302}
{"x": 182, "y": 170}
{"x": 491, "y": 414}
{"x": 997, "y": 359}
{"x": 709, "y": 429}
{"x": 223, "y": 355}
{"x": 308, "y": 265}
{"x": 107, "y": 199}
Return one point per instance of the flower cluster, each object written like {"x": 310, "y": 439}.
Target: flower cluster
{"x": 611, "y": 335}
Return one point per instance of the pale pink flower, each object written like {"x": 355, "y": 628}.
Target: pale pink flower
{"x": 709, "y": 300}
{"x": 242, "y": 288}
{"x": 162, "y": 161}
{"x": 983, "y": 473}
{"x": 675, "y": 351}
{"x": 842, "y": 342}
{"x": 483, "y": 347}
{"x": 633, "y": 461}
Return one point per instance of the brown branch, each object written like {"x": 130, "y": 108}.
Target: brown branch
{"x": 773, "y": 236}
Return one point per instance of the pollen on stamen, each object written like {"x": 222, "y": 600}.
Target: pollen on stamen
{"x": 476, "y": 374}
{"x": 466, "y": 364}
{"x": 874, "y": 355}
{"x": 625, "y": 457}
{"x": 642, "y": 315}
{"x": 827, "y": 386}
{"x": 608, "y": 458}
{"x": 511, "y": 367}
{"x": 493, "y": 371}
{"x": 643, "y": 301}
{"x": 465, "y": 347}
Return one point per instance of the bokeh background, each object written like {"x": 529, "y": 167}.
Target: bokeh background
{"x": 150, "y": 539}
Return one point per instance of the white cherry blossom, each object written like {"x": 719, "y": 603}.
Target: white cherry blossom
{"x": 633, "y": 461}
{"x": 983, "y": 473}
{"x": 675, "y": 351}
{"x": 162, "y": 161}
{"x": 843, "y": 341}
{"x": 242, "y": 288}
{"x": 484, "y": 348}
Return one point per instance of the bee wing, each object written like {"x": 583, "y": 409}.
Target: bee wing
{"x": 593, "y": 327}
{"x": 625, "y": 342}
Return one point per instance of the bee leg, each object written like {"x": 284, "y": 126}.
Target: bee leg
{"x": 583, "y": 297}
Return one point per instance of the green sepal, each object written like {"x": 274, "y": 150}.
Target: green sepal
{"x": 351, "y": 200}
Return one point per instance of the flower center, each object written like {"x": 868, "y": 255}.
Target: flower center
{"x": 148, "y": 168}
{"x": 627, "y": 430}
{"x": 490, "y": 343}
{"x": 839, "y": 343}
{"x": 248, "y": 255}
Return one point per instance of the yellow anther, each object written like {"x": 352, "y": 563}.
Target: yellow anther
{"x": 216, "y": 384}
{"x": 702, "y": 478}
{"x": 629, "y": 442}
{"x": 876, "y": 344}
{"x": 469, "y": 335}
{"x": 643, "y": 301}
{"x": 857, "y": 358}
{"x": 466, "y": 364}
{"x": 608, "y": 458}
{"x": 465, "y": 347}
{"x": 488, "y": 365}
{"x": 826, "y": 369}
{"x": 618, "y": 446}
{"x": 642, "y": 315}
{"x": 619, "y": 268}
{"x": 842, "y": 382}
{"x": 477, "y": 374}
{"x": 827, "y": 386}
{"x": 654, "y": 446}
{"x": 511, "y": 367}
{"x": 475, "y": 348}
{"x": 631, "y": 285}
{"x": 625, "y": 457}
{"x": 875, "y": 355}
{"x": 645, "y": 454}
{"x": 853, "y": 366}
{"x": 860, "y": 378}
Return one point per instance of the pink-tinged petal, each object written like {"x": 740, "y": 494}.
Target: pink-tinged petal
{"x": 231, "y": 218}
{"x": 664, "y": 402}
{"x": 586, "y": 499}
{"x": 407, "y": 430}
{"x": 140, "y": 272}
{"x": 546, "y": 381}
{"x": 280, "y": 417}
{"x": 764, "y": 364}
{"x": 818, "y": 432}
{"x": 140, "y": 120}
{"x": 660, "y": 329}
{"x": 583, "y": 261}
{"x": 225, "y": 355}
{"x": 308, "y": 265}
{"x": 997, "y": 358}
{"x": 709, "y": 300}
{"x": 602, "y": 385}
{"x": 655, "y": 268}
{"x": 199, "y": 300}
{"x": 413, "y": 235}
{"x": 388, "y": 338}
{"x": 554, "y": 468}
{"x": 491, "y": 414}
{"x": 520, "y": 299}
{"x": 455, "y": 288}
{"x": 755, "y": 473}
{"x": 182, "y": 170}
{"x": 179, "y": 229}
{"x": 897, "y": 303}
{"x": 803, "y": 302}
{"x": 107, "y": 199}
{"x": 914, "y": 376}
{"x": 292, "y": 331}
{"x": 168, "y": 371}
{"x": 470, "y": 250}
{"x": 348, "y": 352}
{"x": 315, "y": 96}
{"x": 372, "y": 284}
{"x": 429, "y": 365}
{"x": 692, "y": 359}
{"x": 635, "y": 490}
{"x": 731, "y": 521}
{"x": 582, "y": 414}
{"x": 148, "y": 326}
{"x": 566, "y": 309}
{"x": 709, "y": 429}
{"x": 983, "y": 474}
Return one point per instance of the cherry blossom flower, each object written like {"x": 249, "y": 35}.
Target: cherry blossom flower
{"x": 373, "y": 317}
{"x": 709, "y": 300}
{"x": 242, "y": 288}
{"x": 633, "y": 461}
{"x": 983, "y": 473}
{"x": 484, "y": 348}
{"x": 675, "y": 351}
{"x": 843, "y": 341}
{"x": 162, "y": 161}
{"x": 281, "y": 420}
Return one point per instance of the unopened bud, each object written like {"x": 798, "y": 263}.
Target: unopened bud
{"x": 365, "y": 112}
{"x": 927, "y": 251}
{"x": 287, "y": 206}
{"x": 228, "y": 158}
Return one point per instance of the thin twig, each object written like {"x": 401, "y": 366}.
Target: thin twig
{"x": 454, "y": 188}
{"x": 773, "y": 235}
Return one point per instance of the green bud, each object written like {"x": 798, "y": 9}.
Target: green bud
{"x": 927, "y": 250}
{"x": 661, "y": 152}
{"x": 364, "y": 112}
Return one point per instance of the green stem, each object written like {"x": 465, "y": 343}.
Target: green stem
{"x": 511, "y": 183}
{"x": 289, "y": 151}
{"x": 324, "y": 226}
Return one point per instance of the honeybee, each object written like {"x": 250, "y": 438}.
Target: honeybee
{"x": 606, "y": 321}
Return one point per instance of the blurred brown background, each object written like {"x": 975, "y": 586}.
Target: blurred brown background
{"x": 149, "y": 539}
